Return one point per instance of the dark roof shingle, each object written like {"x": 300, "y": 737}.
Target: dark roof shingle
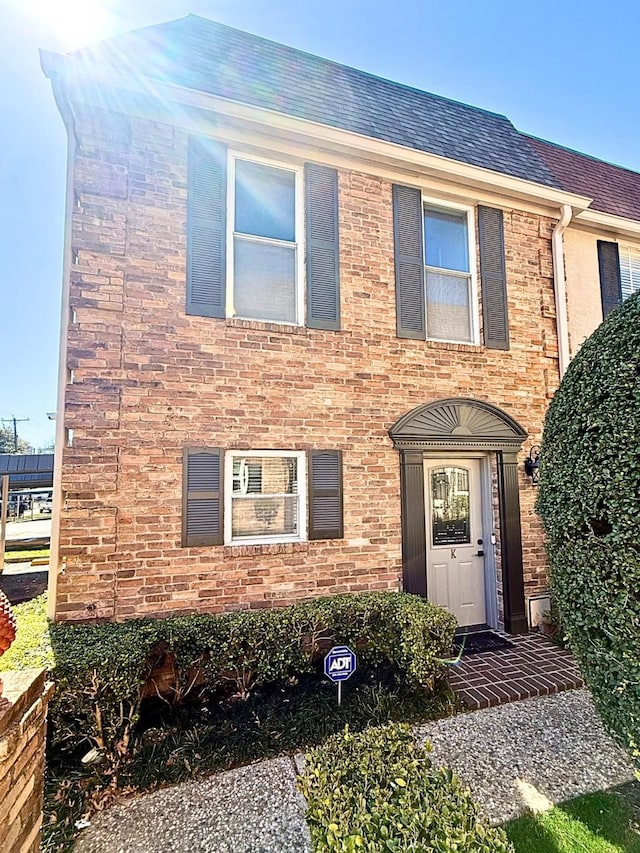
{"x": 213, "y": 58}
{"x": 613, "y": 189}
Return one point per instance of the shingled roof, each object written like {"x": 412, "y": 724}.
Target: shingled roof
{"x": 613, "y": 189}
{"x": 213, "y": 58}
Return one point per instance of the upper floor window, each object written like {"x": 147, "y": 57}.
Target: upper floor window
{"x": 449, "y": 311}
{"x": 629, "y": 270}
{"x": 264, "y": 274}
{"x": 435, "y": 265}
{"x": 262, "y": 238}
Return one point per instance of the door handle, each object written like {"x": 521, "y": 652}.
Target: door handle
{"x": 480, "y": 554}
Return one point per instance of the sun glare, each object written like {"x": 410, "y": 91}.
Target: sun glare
{"x": 72, "y": 23}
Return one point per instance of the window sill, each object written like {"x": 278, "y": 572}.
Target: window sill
{"x": 450, "y": 345}
{"x": 265, "y": 549}
{"x": 264, "y": 326}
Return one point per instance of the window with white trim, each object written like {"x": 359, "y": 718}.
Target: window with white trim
{"x": 265, "y": 242}
{"x": 629, "y": 270}
{"x": 265, "y": 496}
{"x": 449, "y": 304}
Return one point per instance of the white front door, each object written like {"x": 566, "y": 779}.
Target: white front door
{"x": 455, "y": 561}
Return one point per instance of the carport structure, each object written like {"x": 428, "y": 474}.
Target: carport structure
{"x": 21, "y": 471}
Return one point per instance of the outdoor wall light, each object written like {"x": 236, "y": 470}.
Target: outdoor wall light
{"x": 532, "y": 464}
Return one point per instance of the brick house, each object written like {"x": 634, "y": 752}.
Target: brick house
{"x": 309, "y": 334}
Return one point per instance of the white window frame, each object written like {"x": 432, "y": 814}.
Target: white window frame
{"x": 298, "y": 244}
{"x": 625, "y": 253}
{"x": 301, "y": 458}
{"x": 429, "y": 203}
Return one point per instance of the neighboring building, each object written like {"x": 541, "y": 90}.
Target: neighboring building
{"x": 601, "y": 244}
{"x": 309, "y": 334}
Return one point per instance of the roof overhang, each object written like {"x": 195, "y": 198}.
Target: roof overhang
{"x": 99, "y": 88}
{"x": 616, "y": 225}
{"x": 27, "y": 470}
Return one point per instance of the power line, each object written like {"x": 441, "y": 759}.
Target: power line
{"x": 15, "y": 422}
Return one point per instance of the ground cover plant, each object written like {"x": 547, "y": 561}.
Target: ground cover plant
{"x": 378, "y": 790}
{"x": 147, "y": 702}
{"x": 31, "y": 648}
{"x": 588, "y": 500}
{"x": 605, "y": 822}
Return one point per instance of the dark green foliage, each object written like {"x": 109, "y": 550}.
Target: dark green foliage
{"x": 379, "y": 791}
{"x": 231, "y": 688}
{"x": 589, "y": 500}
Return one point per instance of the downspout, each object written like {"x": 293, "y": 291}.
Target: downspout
{"x": 55, "y": 563}
{"x": 559, "y": 287}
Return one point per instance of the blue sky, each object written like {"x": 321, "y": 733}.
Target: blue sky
{"x": 565, "y": 71}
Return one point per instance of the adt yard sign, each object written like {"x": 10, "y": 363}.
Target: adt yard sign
{"x": 339, "y": 665}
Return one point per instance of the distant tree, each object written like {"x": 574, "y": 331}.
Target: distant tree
{"x": 7, "y": 442}
{"x": 48, "y": 447}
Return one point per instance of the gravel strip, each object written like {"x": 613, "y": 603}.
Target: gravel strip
{"x": 254, "y": 809}
{"x": 520, "y": 756}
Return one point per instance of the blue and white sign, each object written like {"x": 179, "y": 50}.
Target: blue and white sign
{"x": 339, "y": 663}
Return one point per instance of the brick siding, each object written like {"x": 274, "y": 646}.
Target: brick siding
{"x": 150, "y": 380}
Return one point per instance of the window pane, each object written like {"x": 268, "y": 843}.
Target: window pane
{"x": 629, "y": 272}
{"x": 448, "y": 315}
{"x": 450, "y": 522}
{"x": 265, "y": 201}
{"x": 265, "y": 499}
{"x": 258, "y": 517}
{"x": 264, "y": 281}
{"x": 445, "y": 240}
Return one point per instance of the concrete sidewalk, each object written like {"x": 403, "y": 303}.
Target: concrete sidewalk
{"x": 543, "y": 750}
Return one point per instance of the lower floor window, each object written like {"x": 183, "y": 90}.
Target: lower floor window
{"x": 264, "y": 496}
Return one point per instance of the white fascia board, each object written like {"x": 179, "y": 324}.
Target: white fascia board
{"x": 609, "y": 222}
{"x": 320, "y": 134}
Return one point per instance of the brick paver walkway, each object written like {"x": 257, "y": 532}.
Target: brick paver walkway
{"x": 533, "y": 667}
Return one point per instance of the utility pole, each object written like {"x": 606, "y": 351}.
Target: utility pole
{"x": 15, "y": 422}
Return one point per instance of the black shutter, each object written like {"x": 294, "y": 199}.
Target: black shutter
{"x": 515, "y": 619}
{"x": 414, "y": 535}
{"x": 325, "y": 494}
{"x": 610, "y": 282}
{"x": 409, "y": 258}
{"x": 323, "y": 263}
{"x": 202, "y": 496}
{"x": 206, "y": 221}
{"x": 493, "y": 277}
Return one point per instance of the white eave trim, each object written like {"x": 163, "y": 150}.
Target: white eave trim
{"x": 452, "y": 170}
{"x": 609, "y": 222}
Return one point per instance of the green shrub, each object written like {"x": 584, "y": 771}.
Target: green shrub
{"x": 103, "y": 671}
{"x": 588, "y": 499}
{"x": 379, "y": 790}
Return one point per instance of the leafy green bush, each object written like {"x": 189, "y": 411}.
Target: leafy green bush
{"x": 379, "y": 790}
{"x": 588, "y": 499}
{"x": 104, "y": 671}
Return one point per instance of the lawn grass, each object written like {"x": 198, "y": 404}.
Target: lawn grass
{"x": 25, "y": 554}
{"x": 32, "y": 645}
{"x": 605, "y": 822}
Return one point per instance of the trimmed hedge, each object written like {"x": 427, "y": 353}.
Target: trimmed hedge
{"x": 104, "y": 671}
{"x": 378, "y": 790}
{"x": 589, "y": 502}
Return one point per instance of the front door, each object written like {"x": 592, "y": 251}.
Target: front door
{"x": 455, "y": 561}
